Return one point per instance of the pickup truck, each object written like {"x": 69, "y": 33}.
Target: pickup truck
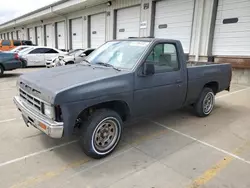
{"x": 9, "y": 61}
{"x": 120, "y": 80}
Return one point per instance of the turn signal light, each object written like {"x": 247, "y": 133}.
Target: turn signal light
{"x": 42, "y": 126}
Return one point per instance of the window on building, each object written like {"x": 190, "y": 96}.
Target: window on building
{"x": 164, "y": 57}
{"x": 230, "y": 20}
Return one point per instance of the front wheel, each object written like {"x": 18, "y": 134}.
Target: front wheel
{"x": 205, "y": 104}
{"x": 101, "y": 133}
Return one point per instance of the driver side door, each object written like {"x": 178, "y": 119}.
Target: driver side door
{"x": 165, "y": 89}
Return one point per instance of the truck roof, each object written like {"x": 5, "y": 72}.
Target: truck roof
{"x": 148, "y": 39}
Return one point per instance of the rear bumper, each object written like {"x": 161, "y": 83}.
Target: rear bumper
{"x": 12, "y": 65}
{"x": 52, "y": 128}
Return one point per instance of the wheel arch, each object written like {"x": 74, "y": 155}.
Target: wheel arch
{"x": 214, "y": 85}
{"x": 119, "y": 106}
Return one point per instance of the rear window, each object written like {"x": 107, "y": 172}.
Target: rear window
{"x": 5, "y": 43}
{"x": 17, "y": 43}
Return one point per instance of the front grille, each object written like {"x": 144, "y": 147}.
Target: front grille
{"x": 33, "y": 101}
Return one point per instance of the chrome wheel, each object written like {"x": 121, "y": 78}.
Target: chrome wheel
{"x": 106, "y": 134}
{"x": 208, "y": 103}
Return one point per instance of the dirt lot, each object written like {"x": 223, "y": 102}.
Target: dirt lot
{"x": 176, "y": 150}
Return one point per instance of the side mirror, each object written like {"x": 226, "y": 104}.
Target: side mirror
{"x": 148, "y": 68}
{"x": 83, "y": 55}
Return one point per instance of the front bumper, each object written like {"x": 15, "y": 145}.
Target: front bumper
{"x": 52, "y": 128}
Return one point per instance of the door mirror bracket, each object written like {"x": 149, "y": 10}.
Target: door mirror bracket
{"x": 148, "y": 68}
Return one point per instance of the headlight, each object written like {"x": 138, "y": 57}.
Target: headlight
{"x": 49, "y": 111}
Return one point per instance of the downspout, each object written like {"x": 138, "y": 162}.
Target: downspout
{"x": 197, "y": 51}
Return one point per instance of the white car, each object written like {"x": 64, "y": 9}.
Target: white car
{"x": 75, "y": 56}
{"x": 37, "y": 55}
{"x": 19, "y": 48}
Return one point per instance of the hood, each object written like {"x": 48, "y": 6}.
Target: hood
{"x": 51, "y": 82}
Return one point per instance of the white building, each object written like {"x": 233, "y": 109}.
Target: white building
{"x": 217, "y": 30}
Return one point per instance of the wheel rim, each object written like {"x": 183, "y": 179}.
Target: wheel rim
{"x": 208, "y": 103}
{"x": 106, "y": 134}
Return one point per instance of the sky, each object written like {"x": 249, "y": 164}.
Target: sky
{"x": 10, "y": 9}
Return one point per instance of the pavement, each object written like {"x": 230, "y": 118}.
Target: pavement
{"x": 170, "y": 150}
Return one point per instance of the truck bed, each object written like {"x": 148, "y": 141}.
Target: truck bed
{"x": 201, "y": 73}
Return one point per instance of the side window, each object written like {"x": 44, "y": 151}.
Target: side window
{"x": 51, "y": 51}
{"x": 164, "y": 57}
{"x": 39, "y": 51}
{"x": 17, "y": 42}
{"x": 5, "y": 43}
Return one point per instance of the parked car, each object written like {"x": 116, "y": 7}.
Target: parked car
{"x": 75, "y": 56}
{"x": 9, "y": 61}
{"x": 6, "y": 45}
{"x": 122, "y": 79}
{"x": 19, "y": 48}
{"x": 37, "y": 55}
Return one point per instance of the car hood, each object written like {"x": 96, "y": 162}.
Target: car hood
{"x": 48, "y": 83}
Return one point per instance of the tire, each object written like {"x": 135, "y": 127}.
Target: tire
{"x": 1, "y": 70}
{"x": 24, "y": 64}
{"x": 205, "y": 103}
{"x": 69, "y": 63}
{"x": 102, "y": 123}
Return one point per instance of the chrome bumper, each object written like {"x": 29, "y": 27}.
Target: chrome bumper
{"x": 52, "y": 128}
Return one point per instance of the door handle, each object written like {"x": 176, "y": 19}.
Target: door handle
{"x": 178, "y": 81}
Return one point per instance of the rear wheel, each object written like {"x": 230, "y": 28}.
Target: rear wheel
{"x": 1, "y": 70}
{"x": 205, "y": 104}
{"x": 101, "y": 133}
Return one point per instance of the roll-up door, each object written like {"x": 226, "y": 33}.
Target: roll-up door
{"x": 49, "y": 35}
{"x": 97, "y": 30}
{"x": 60, "y": 31}
{"x": 19, "y": 35}
{"x": 232, "y": 28}
{"x": 77, "y": 33}
{"x": 9, "y": 35}
{"x": 14, "y": 35}
{"x": 128, "y": 21}
{"x": 173, "y": 20}
{"x": 39, "y": 35}
{"x": 31, "y": 35}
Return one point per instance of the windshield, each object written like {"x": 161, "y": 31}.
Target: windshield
{"x": 121, "y": 54}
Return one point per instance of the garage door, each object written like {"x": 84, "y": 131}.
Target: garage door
{"x": 19, "y": 35}
{"x": 232, "y": 28}
{"x": 97, "y": 30}
{"x": 14, "y": 35}
{"x": 77, "y": 33}
{"x": 49, "y": 35}
{"x": 173, "y": 20}
{"x": 128, "y": 21}
{"x": 31, "y": 35}
{"x": 60, "y": 35}
{"x": 39, "y": 36}
{"x": 9, "y": 35}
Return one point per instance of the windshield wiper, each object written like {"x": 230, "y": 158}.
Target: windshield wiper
{"x": 108, "y": 65}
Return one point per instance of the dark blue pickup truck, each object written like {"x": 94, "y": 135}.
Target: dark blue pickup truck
{"x": 9, "y": 61}
{"x": 122, "y": 79}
